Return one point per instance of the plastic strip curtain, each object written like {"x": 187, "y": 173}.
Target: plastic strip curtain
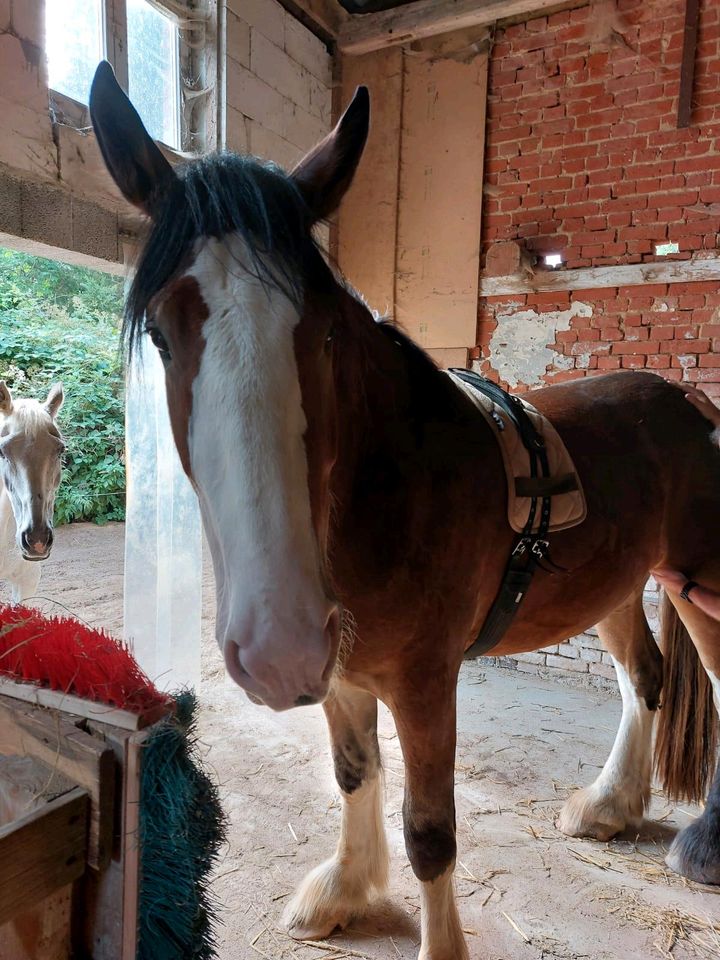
{"x": 163, "y": 540}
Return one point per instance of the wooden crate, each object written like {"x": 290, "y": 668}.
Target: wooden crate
{"x": 69, "y": 816}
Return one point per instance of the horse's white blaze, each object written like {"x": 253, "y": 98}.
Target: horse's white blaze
{"x": 249, "y": 464}
{"x": 442, "y": 936}
{"x": 331, "y": 894}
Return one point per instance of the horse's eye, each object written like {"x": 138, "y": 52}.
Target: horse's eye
{"x": 329, "y": 339}
{"x": 160, "y": 342}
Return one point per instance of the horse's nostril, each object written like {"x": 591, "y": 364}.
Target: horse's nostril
{"x": 305, "y": 700}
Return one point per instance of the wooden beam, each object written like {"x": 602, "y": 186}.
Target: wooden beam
{"x": 590, "y": 278}
{"x": 427, "y": 18}
{"x": 324, "y": 18}
{"x": 687, "y": 68}
{"x": 42, "y": 852}
{"x": 42, "y": 697}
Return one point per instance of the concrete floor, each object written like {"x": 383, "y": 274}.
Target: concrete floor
{"x": 525, "y": 891}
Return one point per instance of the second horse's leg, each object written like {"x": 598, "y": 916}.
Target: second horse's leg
{"x": 341, "y": 887}
{"x": 620, "y": 795}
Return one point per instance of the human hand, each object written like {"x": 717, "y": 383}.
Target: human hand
{"x": 702, "y": 402}
{"x": 672, "y": 580}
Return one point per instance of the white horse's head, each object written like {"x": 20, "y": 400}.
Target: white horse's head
{"x": 31, "y": 449}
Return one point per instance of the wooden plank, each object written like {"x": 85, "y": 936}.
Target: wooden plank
{"x": 687, "y": 67}
{"x": 101, "y": 927}
{"x": 449, "y": 357}
{"x": 324, "y": 18}
{"x": 367, "y": 222}
{"x": 428, "y": 18}
{"x": 42, "y": 697}
{"x": 441, "y": 175}
{"x": 131, "y": 846}
{"x": 55, "y": 740}
{"x": 42, "y": 852}
{"x": 26, "y": 783}
{"x": 589, "y": 278}
{"x": 43, "y": 931}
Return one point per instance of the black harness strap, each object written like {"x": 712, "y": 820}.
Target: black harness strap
{"x": 530, "y": 547}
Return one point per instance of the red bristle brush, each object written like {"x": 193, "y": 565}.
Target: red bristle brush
{"x": 60, "y": 662}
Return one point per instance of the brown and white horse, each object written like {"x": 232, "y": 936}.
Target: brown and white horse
{"x": 338, "y": 470}
{"x": 31, "y": 449}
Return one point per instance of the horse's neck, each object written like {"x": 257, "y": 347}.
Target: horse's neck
{"x": 394, "y": 405}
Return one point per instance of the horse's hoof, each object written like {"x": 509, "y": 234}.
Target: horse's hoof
{"x": 326, "y": 900}
{"x": 695, "y": 852}
{"x": 307, "y": 920}
{"x": 313, "y": 928}
{"x": 597, "y": 818}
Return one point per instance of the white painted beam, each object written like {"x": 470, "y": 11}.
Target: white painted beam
{"x": 590, "y": 278}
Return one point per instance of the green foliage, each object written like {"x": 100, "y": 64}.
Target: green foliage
{"x": 59, "y": 322}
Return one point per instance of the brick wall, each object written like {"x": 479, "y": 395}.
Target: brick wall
{"x": 582, "y": 153}
{"x": 584, "y": 158}
{"x": 278, "y": 83}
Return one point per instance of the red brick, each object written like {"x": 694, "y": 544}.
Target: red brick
{"x": 635, "y": 347}
{"x": 657, "y": 362}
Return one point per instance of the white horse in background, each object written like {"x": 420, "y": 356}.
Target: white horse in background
{"x": 31, "y": 449}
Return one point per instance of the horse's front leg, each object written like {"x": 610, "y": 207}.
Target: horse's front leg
{"x": 342, "y": 887}
{"x": 424, "y": 714}
{"x": 24, "y": 581}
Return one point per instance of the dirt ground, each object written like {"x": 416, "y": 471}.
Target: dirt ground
{"x": 526, "y": 892}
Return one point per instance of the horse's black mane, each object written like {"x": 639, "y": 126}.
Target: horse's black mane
{"x": 219, "y": 194}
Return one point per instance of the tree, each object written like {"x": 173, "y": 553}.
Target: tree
{"x": 59, "y": 322}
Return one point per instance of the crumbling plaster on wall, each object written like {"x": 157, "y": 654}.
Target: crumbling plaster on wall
{"x": 521, "y": 344}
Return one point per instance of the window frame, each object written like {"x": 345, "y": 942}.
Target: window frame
{"x": 189, "y": 62}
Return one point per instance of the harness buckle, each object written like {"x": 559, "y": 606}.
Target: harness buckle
{"x": 539, "y": 548}
{"x": 521, "y": 546}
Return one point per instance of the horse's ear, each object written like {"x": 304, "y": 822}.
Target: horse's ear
{"x": 6, "y": 403}
{"x": 327, "y": 171}
{"x": 55, "y": 399}
{"x": 134, "y": 161}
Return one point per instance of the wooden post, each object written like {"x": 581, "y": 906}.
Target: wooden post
{"x": 687, "y": 68}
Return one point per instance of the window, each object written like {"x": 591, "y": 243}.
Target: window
{"x": 74, "y": 44}
{"x": 153, "y": 70}
{"x": 153, "y": 47}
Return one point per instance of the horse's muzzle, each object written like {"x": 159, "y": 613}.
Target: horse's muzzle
{"x": 282, "y": 676}
{"x": 36, "y": 544}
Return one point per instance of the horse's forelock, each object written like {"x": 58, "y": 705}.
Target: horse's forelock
{"x": 216, "y": 196}
{"x": 31, "y": 418}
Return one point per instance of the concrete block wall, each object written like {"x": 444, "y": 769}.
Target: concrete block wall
{"x": 278, "y": 97}
{"x": 54, "y": 191}
{"x": 55, "y": 194}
